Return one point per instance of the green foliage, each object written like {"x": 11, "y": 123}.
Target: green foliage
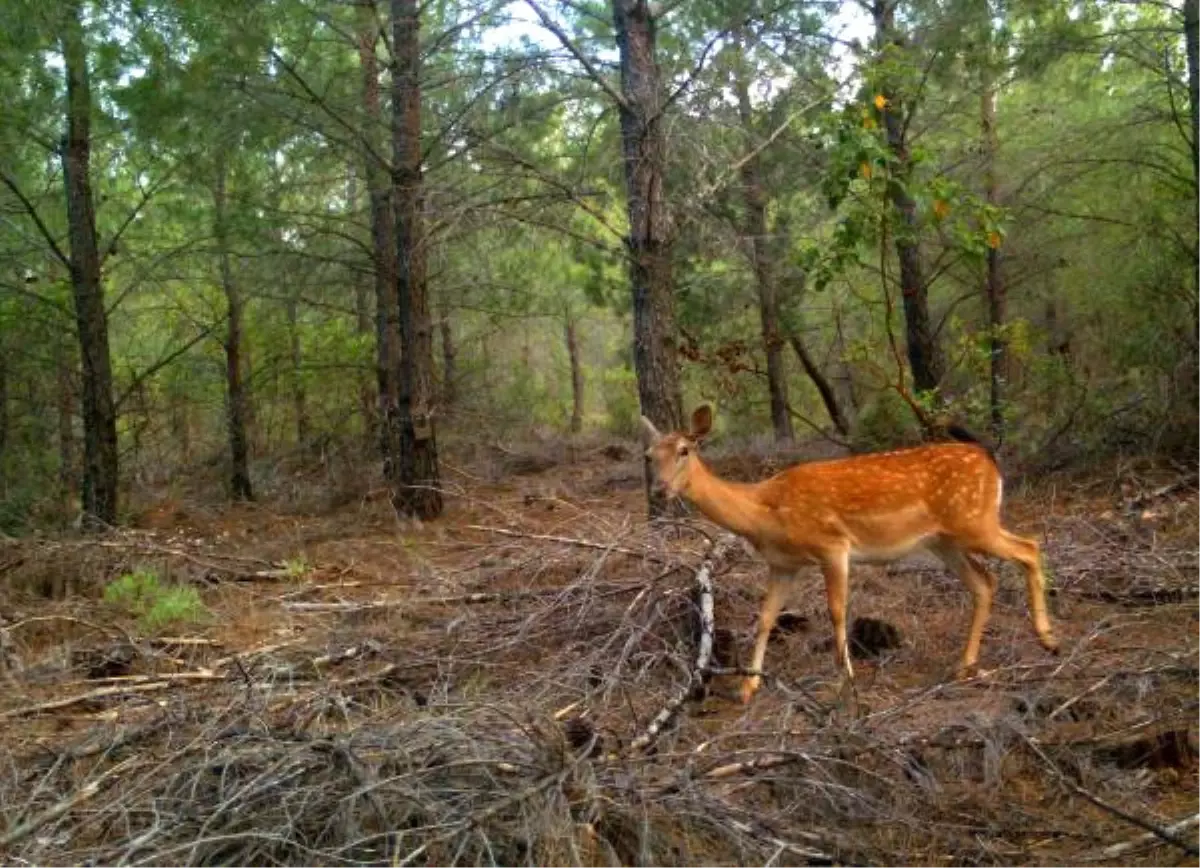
{"x": 884, "y": 423}
{"x": 619, "y": 390}
{"x": 155, "y": 605}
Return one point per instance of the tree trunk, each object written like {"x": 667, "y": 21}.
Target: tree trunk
{"x": 923, "y": 355}
{"x": 762, "y": 257}
{"x": 362, "y": 308}
{"x": 100, "y": 472}
{"x": 416, "y": 489}
{"x": 236, "y": 399}
{"x": 3, "y": 400}
{"x": 299, "y": 398}
{"x": 828, "y": 397}
{"x": 643, "y": 147}
{"x": 383, "y": 239}
{"x": 1192, "y": 41}
{"x": 994, "y": 289}
{"x": 68, "y": 478}
{"x": 449, "y": 363}
{"x": 576, "y": 374}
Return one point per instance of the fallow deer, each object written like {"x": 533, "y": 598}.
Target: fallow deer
{"x": 942, "y": 497}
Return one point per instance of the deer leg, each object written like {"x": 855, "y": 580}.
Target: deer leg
{"x": 778, "y": 586}
{"x": 982, "y": 585}
{"x": 836, "y": 568}
{"x": 1027, "y": 553}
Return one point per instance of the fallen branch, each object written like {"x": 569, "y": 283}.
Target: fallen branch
{"x": 754, "y": 765}
{"x": 101, "y": 693}
{"x": 367, "y": 605}
{"x": 1164, "y": 834}
{"x": 1115, "y": 850}
{"x": 703, "y": 655}
{"x": 1141, "y": 500}
{"x": 572, "y": 541}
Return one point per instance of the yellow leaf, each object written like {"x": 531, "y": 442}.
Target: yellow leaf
{"x": 864, "y": 169}
{"x": 868, "y": 123}
{"x": 881, "y": 101}
{"x": 941, "y": 208}
{"x": 994, "y": 240}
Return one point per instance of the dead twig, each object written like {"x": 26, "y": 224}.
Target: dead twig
{"x": 83, "y": 794}
{"x": 703, "y": 655}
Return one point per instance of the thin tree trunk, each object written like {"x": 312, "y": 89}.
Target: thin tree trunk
{"x": 643, "y": 146}
{"x": 576, "y": 373}
{"x": 923, "y": 355}
{"x": 845, "y": 374}
{"x": 449, "y": 363}
{"x": 299, "y": 398}
{"x": 1192, "y": 41}
{"x": 828, "y": 397}
{"x": 3, "y": 400}
{"x": 762, "y": 257}
{"x": 181, "y": 426}
{"x": 416, "y": 488}
{"x": 994, "y": 288}
{"x": 363, "y": 325}
{"x": 100, "y": 476}
{"x": 236, "y": 399}
{"x": 383, "y": 240}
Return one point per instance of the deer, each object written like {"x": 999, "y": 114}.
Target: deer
{"x": 942, "y": 497}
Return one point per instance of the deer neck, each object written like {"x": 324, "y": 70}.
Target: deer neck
{"x": 732, "y": 505}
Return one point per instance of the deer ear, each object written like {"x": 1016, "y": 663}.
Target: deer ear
{"x": 650, "y": 434}
{"x": 702, "y": 418}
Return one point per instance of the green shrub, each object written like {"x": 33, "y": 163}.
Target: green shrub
{"x": 155, "y": 605}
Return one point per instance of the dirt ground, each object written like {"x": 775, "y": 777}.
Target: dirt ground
{"x": 481, "y": 689}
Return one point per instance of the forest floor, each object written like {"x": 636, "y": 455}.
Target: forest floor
{"x": 473, "y": 690}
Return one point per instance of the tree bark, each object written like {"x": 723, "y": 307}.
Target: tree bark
{"x": 576, "y": 373}
{"x": 100, "y": 472}
{"x": 68, "y": 478}
{"x": 994, "y": 289}
{"x": 1192, "y": 43}
{"x": 416, "y": 489}
{"x": 383, "y": 238}
{"x": 643, "y": 146}
{"x": 924, "y": 356}
{"x": 449, "y": 363}
{"x": 762, "y": 258}
{"x": 236, "y": 399}
{"x": 299, "y": 398}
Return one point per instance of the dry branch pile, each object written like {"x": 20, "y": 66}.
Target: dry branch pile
{"x": 554, "y": 698}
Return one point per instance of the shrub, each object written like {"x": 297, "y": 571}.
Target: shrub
{"x": 155, "y": 605}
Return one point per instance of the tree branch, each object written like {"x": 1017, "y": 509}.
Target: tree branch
{"x": 157, "y": 366}
{"x": 31, "y": 209}
{"x": 593, "y": 73}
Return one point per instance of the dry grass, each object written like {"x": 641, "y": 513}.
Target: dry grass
{"x": 449, "y": 695}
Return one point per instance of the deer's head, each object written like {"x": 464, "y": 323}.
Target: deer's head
{"x": 673, "y": 456}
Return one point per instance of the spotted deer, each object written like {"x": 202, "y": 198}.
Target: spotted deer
{"x": 941, "y": 497}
